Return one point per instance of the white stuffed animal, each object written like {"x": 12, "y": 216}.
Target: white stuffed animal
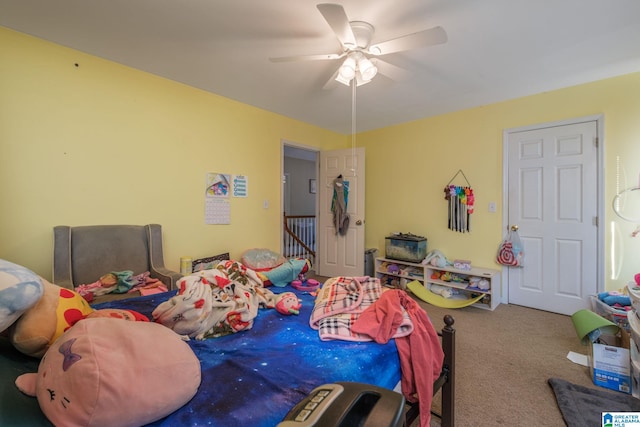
{"x": 443, "y": 291}
{"x": 480, "y": 283}
{"x": 436, "y": 259}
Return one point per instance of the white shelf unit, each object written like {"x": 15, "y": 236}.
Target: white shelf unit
{"x": 409, "y": 271}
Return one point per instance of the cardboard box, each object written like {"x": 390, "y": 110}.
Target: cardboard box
{"x": 610, "y": 362}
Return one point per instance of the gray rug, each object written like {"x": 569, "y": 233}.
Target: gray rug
{"x": 582, "y": 406}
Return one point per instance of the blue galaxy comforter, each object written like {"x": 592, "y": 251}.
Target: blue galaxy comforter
{"x": 254, "y": 377}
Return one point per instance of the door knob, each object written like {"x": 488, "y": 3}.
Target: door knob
{"x": 514, "y": 228}
{"x": 359, "y": 222}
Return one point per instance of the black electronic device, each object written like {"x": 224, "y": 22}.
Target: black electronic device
{"x": 348, "y": 404}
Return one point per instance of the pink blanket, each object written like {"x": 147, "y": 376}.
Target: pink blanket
{"x": 421, "y": 355}
{"x": 339, "y": 304}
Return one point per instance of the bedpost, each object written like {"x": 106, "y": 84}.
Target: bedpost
{"x": 449, "y": 387}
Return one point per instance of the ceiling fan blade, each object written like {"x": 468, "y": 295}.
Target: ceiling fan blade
{"x": 331, "y": 83}
{"x": 433, "y": 36}
{"x": 320, "y": 57}
{"x": 337, "y": 19}
{"x": 392, "y": 71}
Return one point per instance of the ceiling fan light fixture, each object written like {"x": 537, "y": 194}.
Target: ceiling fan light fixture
{"x": 340, "y": 79}
{"x": 359, "y": 80}
{"x": 367, "y": 69}
{"x": 348, "y": 68}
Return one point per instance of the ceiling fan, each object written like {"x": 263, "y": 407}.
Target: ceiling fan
{"x": 355, "y": 38}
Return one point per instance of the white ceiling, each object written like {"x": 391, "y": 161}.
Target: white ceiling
{"x": 496, "y": 49}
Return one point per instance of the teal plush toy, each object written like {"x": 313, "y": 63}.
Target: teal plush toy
{"x": 20, "y": 289}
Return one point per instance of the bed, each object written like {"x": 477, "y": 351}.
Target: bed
{"x": 254, "y": 377}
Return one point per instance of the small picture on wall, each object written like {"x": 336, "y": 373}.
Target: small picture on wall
{"x": 312, "y": 186}
{"x": 218, "y": 185}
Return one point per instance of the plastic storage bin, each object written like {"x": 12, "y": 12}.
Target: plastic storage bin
{"x": 369, "y": 262}
{"x": 406, "y": 247}
{"x": 634, "y": 326}
{"x": 634, "y": 294}
{"x": 619, "y": 317}
{"x": 635, "y": 370}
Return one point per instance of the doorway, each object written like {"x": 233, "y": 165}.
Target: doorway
{"x": 553, "y": 191}
{"x": 341, "y": 254}
{"x": 299, "y": 201}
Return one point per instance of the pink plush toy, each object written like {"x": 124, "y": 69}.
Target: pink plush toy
{"x": 106, "y": 372}
{"x": 288, "y": 303}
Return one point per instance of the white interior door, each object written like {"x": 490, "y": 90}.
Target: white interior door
{"x": 341, "y": 255}
{"x": 553, "y": 199}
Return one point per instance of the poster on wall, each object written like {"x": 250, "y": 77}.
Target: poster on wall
{"x": 217, "y": 206}
{"x": 240, "y": 186}
{"x": 217, "y": 211}
{"x": 218, "y": 185}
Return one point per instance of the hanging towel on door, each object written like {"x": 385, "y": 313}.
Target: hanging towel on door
{"x": 339, "y": 206}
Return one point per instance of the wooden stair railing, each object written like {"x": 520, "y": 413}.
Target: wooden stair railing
{"x": 299, "y": 244}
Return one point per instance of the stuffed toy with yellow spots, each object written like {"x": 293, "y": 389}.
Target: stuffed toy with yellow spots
{"x": 56, "y": 311}
{"x": 34, "y": 313}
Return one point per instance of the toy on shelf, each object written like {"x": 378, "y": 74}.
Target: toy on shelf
{"x": 443, "y": 291}
{"x": 445, "y": 276}
{"x": 462, "y": 264}
{"x": 480, "y": 283}
{"x": 393, "y": 268}
{"x": 459, "y": 278}
{"x": 436, "y": 259}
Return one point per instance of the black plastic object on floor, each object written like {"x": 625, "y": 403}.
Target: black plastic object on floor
{"x": 348, "y": 404}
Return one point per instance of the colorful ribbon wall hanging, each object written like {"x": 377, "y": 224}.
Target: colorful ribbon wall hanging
{"x": 460, "y": 204}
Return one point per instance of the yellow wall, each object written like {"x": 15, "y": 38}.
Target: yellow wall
{"x": 100, "y": 143}
{"x": 409, "y": 165}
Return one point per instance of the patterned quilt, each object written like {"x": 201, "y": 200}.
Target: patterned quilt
{"x": 215, "y": 302}
{"x": 339, "y": 304}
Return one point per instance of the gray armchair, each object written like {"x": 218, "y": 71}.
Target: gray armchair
{"x": 82, "y": 254}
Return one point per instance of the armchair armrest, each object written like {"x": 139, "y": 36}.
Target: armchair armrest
{"x": 157, "y": 269}
{"x": 166, "y": 276}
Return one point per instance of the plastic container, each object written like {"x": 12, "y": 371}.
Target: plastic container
{"x": 185, "y": 265}
{"x": 369, "y": 261}
{"x": 634, "y": 326}
{"x": 634, "y": 293}
{"x": 635, "y": 370}
{"x": 619, "y": 317}
{"x": 406, "y": 247}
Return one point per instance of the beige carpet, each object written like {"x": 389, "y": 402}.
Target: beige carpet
{"x": 504, "y": 359}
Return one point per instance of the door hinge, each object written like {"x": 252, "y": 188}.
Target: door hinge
{"x": 596, "y": 141}
{"x": 595, "y": 221}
